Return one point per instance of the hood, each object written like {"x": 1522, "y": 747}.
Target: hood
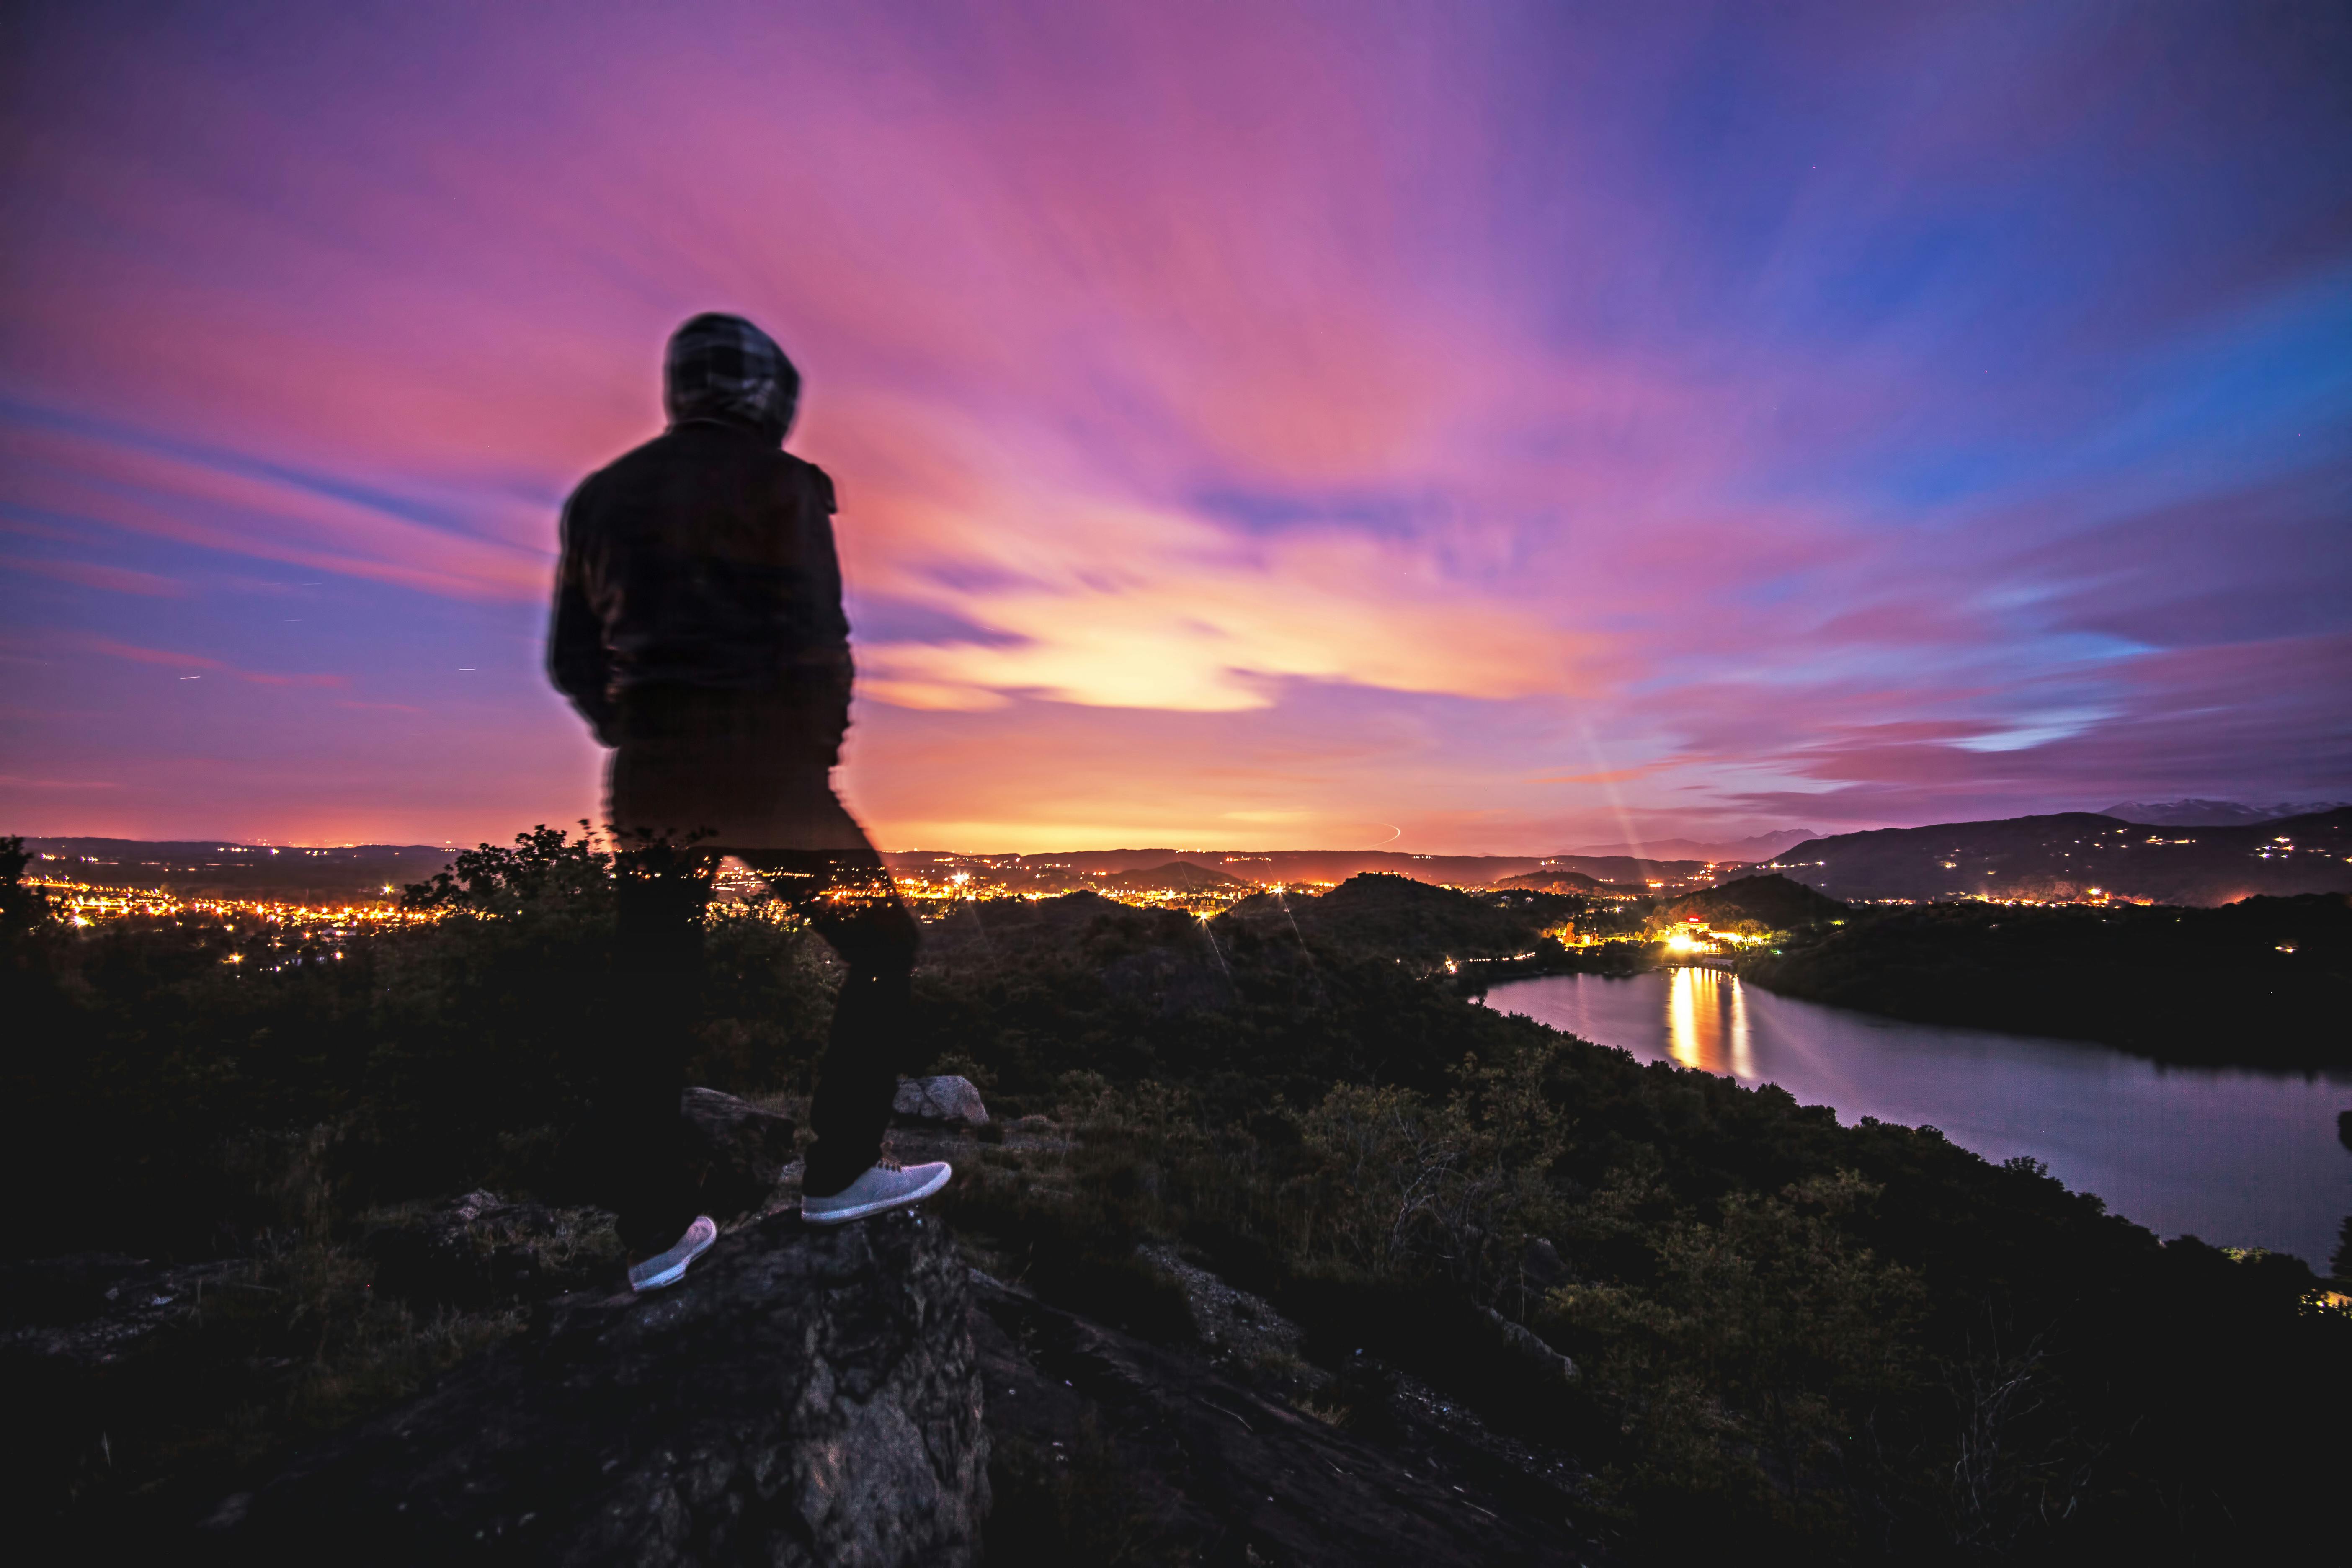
{"x": 724, "y": 368}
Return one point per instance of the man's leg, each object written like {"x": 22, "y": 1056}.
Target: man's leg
{"x": 661, "y": 894}
{"x": 847, "y": 898}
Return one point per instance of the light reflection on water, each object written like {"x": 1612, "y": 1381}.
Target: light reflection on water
{"x": 1707, "y": 1023}
{"x": 2239, "y": 1157}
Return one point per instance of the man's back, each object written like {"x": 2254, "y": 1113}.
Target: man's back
{"x": 702, "y": 559}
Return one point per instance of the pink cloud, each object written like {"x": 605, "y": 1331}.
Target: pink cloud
{"x": 90, "y": 574}
{"x": 170, "y": 659}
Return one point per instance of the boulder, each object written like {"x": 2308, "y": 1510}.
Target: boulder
{"x": 1522, "y": 1343}
{"x": 803, "y": 1397}
{"x": 740, "y": 1148}
{"x": 1541, "y": 1265}
{"x": 947, "y": 1101}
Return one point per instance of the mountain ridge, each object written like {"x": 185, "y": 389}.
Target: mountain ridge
{"x": 2199, "y": 813}
{"x": 2078, "y": 854}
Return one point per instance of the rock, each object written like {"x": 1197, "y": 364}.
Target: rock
{"x": 946, "y": 1102}
{"x": 803, "y": 1397}
{"x": 1528, "y": 1346}
{"x": 480, "y": 1248}
{"x": 1542, "y": 1266}
{"x": 1106, "y": 1440}
{"x": 740, "y": 1148}
{"x": 1230, "y": 1322}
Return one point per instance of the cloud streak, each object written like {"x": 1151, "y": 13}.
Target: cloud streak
{"x": 1271, "y": 425}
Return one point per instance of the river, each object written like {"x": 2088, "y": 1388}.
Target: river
{"x": 2237, "y": 1156}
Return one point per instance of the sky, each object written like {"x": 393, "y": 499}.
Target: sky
{"x": 1457, "y": 427}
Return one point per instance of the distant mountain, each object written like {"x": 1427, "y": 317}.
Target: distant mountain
{"x": 1736, "y": 852}
{"x": 1630, "y": 872}
{"x": 224, "y": 868}
{"x": 2068, "y": 855}
{"x": 1288, "y": 868}
{"x": 1177, "y": 875}
{"x": 2215, "y": 813}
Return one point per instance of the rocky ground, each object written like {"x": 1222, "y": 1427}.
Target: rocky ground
{"x": 805, "y": 1396}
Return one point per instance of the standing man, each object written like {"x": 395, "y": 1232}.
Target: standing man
{"x": 698, "y": 629}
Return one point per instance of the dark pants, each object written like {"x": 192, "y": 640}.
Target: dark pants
{"x": 846, "y": 897}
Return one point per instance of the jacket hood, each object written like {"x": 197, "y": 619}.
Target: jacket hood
{"x": 724, "y": 368}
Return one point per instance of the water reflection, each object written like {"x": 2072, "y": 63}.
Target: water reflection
{"x": 1707, "y": 1023}
{"x": 2243, "y": 1157}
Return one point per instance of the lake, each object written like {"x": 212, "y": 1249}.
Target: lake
{"x": 2237, "y": 1156}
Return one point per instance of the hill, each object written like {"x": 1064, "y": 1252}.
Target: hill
{"x": 2065, "y": 857}
{"x": 1399, "y": 918}
{"x": 2258, "y": 982}
{"x": 1755, "y": 904}
{"x": 1177, "y": 875}
{"x": 2215, "y": 813}
{"x": 1555, "y": 882}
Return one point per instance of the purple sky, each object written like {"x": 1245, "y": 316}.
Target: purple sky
{"x": 1470, "y": 427}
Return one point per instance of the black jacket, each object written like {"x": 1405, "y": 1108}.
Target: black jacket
{"x": 704, "y": 559}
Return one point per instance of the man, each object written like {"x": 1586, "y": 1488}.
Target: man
{"x": 698, "y": 629}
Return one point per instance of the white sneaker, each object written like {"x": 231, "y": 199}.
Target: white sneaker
{"x": 669, "y": 1268}
{"x": 887, "y": 1185}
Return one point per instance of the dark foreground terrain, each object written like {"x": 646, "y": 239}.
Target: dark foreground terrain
{"x": 1284, "y": 1253}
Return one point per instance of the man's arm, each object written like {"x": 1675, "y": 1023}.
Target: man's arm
{"x": 824, "y": 665}
{"x": 576, "y": 659}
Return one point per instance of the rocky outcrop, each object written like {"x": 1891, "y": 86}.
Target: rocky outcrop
{"x": 740, "y": 1149}
{"x": 946, "y": 1102}
{"x": 803, "y": 1397}
{"x": 1540, "y": 1361}
{"x": 1230, "y": 1323}
{"x": 1108, "y": 1440}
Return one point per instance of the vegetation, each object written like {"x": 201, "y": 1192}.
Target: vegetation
{"x": 1857, "y": 1343}
{"x": 2259, "y": 982}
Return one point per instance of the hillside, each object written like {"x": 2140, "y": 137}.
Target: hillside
{"x": 2258, "y": 982}
{"x": 1267, "y": 1197}
{"x": 1756, "y": 904}
{"x": 2065, "y": 857}
{"x": 2215, "y": 813}
{"x": 1555, "y": 882}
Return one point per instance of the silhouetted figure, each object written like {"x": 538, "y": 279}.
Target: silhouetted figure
{"x": 698, "y": 628}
